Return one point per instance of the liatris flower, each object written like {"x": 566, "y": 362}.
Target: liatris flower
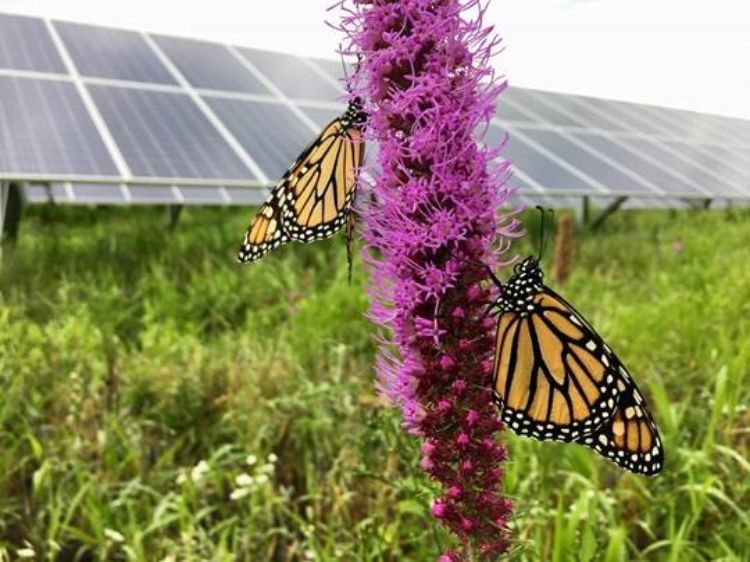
{"x": 429, "y": 225}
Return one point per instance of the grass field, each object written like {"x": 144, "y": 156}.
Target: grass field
{"x": 161, "y": 402}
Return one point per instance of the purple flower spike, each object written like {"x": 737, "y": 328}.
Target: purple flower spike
{"x": 430, "y": 221}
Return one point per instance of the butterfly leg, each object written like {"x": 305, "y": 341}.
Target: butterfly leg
{"x": 349, "y": 238}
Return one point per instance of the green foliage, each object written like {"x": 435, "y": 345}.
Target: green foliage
{"x": 141, "y": 367}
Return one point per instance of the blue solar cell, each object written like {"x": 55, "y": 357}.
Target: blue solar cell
{"x": 598, "y": 169}
{"x": 165, "y": 135}
{"x": 98, "y": 193}
{"x": 334, "y": 68}
{"x": 112, "y": 53}
{"x": 734, "y": 162}
{"x": 60, "y": 193}
{"x": 494, "y": 136}
{"x": 37, "y": 193}
{"x": 292, "y": 76}
{"x": 508, "y": 111}
{"x": 629, "y": 114}
{"x": 543, "y": 105}
{"x": 626, "y": 152}
{"x": 705, "y": 128}
{"x": 591, "y": 114}
{"x": 202, "y": 195}
{"x": 46, "y": 129}
{"x": 539, "y": 167}
{"x": 244, "y": 196}
{"x": 322, "y": 115}
{"x": 209, "y": 65}
{"x": 688, "y": 165}
{"x": 152, "y": 195}
{"x": 725, "y": 164}
{"x": 738, "y": 127}
{"x": 25, "y": 44}
{"x": 269, "y": 132}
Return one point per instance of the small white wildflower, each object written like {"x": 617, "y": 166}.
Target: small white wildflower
{"x": 199, "y": 471}
{"x": 309, "y": 554}
{"x": 251, "y": 460}
{"x": 272, "y": 458}
{"x": 181, "y": 478}
{"x": 261, "y": 478}
{"x": 244, "y": 480}
{"x": 239, "y": 493}
{"x": 267, "y": 469}
{"x": 27, "y": 552}
{"x": 113, "y": 535}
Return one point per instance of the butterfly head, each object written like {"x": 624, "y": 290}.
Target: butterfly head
{"x": 355, "y": 115}
{"x": 518, "y": 292}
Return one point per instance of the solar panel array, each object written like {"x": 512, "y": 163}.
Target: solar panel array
{"x": 98, "y": 115}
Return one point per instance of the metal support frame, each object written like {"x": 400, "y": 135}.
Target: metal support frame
{"x": 585, "y": 209}
{"x": 4, "y": 195}
{"x": 699, "y": 204}
{"x": 608, "y": 210}
{"x": 11, "y": 202}
{"x": 174, "y": 215}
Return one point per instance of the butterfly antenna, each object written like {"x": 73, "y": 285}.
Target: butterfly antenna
{"x": 343, "y": 63}
{"x": 544, "y": 240}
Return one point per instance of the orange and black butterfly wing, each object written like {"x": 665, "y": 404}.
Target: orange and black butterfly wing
{"x": 321, "y": 185}
{"x": 265, "y": 232}
{"x": 629, "y": 438}
{"x": 554, "y": 377}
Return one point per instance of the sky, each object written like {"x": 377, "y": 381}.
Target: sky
{"x": 677, "y": 53}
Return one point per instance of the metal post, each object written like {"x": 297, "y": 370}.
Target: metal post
{"x": 174, "y": 215}
{"x": 4, "y": 192}
{"x": 11, "y": 201}
{"x": 586, "y": 210}
{"x": 608, "y": 210}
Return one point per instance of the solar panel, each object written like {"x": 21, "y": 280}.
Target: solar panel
{"x": 62, "y": 193}
{"x": 545, "y": 112}
{"x": 237, "y": 117}
{"x": 209, "y": 65}
{"x": 684, "y": 161}
{"x": 590, "y": 115}
{"x": 25, "y": 44}
{"x": 112, "y": 53}
{"x": 542, "y": 169}
{"x": 321, "y": 116}
{"x": 47, "y": 130}
{"x": 731, "y": 162}
{"x": 630, "y": 153}
{"x": 269, "y": 131}
{"x": 245, "y": 196}
{"x": 36, "y": 193}
{"x": 110, "y": 194}
{"x": 153, "y": 195}
{"x": 292, "y": 75}
{"x": 737, "y": 129}
{"x": 603, "y": 169}
{"x": 681, "y": 125}
{"x": 334, "y": 69}
{"x": 165, "y": 135}
{"x": 629, "y": 115}
{"x": 203, "y": 195}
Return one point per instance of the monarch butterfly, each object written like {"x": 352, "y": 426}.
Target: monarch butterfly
{"x": 556, "y": 379}
{"x": 313, "y": 199}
